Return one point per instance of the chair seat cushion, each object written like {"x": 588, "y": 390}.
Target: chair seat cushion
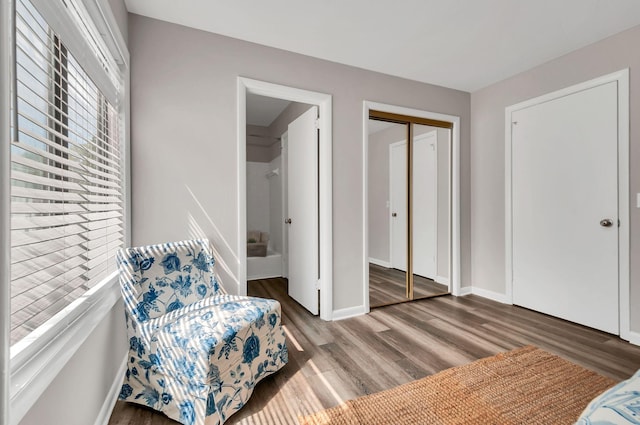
{"x": 215, "y": 349}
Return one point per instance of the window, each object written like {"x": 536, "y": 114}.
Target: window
{"x": 67, "y": 193}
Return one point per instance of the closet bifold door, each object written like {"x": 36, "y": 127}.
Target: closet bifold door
{"x": 418, "y": 207}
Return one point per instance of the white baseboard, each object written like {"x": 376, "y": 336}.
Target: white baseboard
{"x": 442, "y": 280}
{"x": 634, "y": 338}
{"x": 346, "y": 313}
{"x": 380, "y": 262}
{"x": 465, "y": 291}
{"x": 112, "y": 396}
{"x": 485, "y": 293}
{"x": 263, "y": 276}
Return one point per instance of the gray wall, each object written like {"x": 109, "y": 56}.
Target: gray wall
{"x": 80, "y": 392}
{"x": 184, "y": 152}
{"x": 256, "y": 150}
{"x": 487, "y": 151}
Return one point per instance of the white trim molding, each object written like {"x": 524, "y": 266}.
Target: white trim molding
{"x": 454, "y": 187}
{"x": 467, "y": 290}
{"x": 38, "y": 358}
{"x": 114, "y": 391}
{"x": 634, "y": 338}
{"x": 324, "y": 103}
{"x": 622, "y": 79}
{"x": 6, "y": 70}
{"x": 349, "y": 312}
{"x": 444, "y": 281}
{"x": 491, "y": 295}
{"x": 385, "y": 264}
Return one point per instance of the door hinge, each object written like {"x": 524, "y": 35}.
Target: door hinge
{"x": 316, "y": 124}
{"x": 318, "y": 284}
{"x": 618, "y": 222}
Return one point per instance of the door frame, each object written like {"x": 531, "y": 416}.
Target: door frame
{"x": 323, "y": 101}
{"x": 622, "y": 79}
{"x": 284, "y": 182}
{"x": 454, "y": 191}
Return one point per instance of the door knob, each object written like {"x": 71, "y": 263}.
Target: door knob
{"x": 607, "y": 222}
{"x": 287, "y": 220}
{"x": 394, "y": 214}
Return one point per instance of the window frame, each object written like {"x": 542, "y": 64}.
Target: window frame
{"x": 34, "y": 362}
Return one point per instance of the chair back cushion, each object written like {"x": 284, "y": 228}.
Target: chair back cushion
{"x": 157, "y": 279}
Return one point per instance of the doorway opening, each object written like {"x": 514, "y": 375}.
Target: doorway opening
{"x": 411, "y": 198}
{"x": 265, "y": 162}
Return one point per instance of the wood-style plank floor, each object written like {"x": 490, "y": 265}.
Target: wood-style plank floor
{"x": 330, "y": 362}
{"x": 388, "y": 286}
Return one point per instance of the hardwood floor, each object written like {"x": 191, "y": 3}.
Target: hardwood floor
{"x": 330, "y": 362}
{"x": 388, "y": 286}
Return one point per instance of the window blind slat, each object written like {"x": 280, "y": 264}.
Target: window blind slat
{"x": 40, "y": 310}
{"x": 26, "y": 283}
{"x": 45, "y": 208}
{"x": 99, "y": 165}
{"x": 50, "y": 195}
{"x": 102, "y": 199}
{"x": 50, "y": 156}
{"x": 46, "y": 221}
{"x": 56, "y": 146}
{"x": 101, "y": 190}
{"x": 102, "y": 207}
{"x": 45, "y": 181}
{"x": 95, "y": 172}
{"x": 103, "y": 182}
{"x": 23, "y": 269}
{"x": 96, "y": 236}
{"x": 95, "y": 225}
{"x": 25, "y": 300}
{"x": 67, "y": 197}
{"x": 45, "y": 168}
{"x": 76, "y": 125}
{"x": 101, "y": 215}
{"x": 21, "y": 238}
{"x": 34, "y": 250}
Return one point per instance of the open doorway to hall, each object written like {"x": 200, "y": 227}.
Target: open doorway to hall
{"x": 285, "y": 191}
{"x": 273, "y": 198}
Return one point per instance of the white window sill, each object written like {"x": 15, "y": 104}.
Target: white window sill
{"x": 38, "y": 358}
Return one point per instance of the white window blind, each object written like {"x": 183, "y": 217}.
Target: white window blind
{"x": 66, "y": 167}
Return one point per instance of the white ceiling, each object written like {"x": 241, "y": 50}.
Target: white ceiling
{"x": 262, "y": 110}
{"x": 462, "y": 44}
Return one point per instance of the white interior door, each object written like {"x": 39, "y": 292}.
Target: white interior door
{"x": 302, "y": 177}
{"x": 398, "y": 204}
{"x": 564, "y": 184}
{"x": 425, "y": 204}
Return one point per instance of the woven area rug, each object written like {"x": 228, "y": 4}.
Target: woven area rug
{"x": 524, "y": 386}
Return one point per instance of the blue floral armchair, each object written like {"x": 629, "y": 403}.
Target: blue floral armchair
{"x": 195, "y": 352}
